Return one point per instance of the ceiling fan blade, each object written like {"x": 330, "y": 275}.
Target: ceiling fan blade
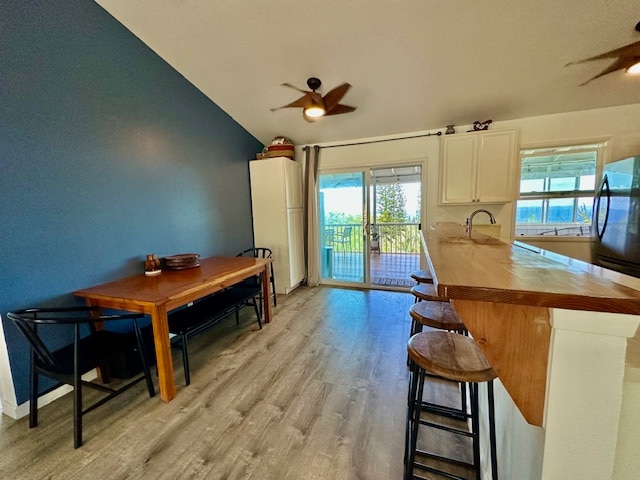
{"x": 628, "y": 51}
{"x": 619, "y": 64}
{"x": 333, "y": 97}
{"x": 339, "y": 108}
{"x": 302, "y": 102}
{"x": 295, "y": 88}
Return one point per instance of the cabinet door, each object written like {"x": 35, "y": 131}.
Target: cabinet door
{"x": 293, "y": 178}
{"x": 495, "y": 166}
{"x": 458, "y": 169}
{"x": 296, "y": 245}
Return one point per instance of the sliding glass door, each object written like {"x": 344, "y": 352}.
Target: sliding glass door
{"x": 342, "y": 220}
{"x": 369, "y": 226}
{"x": 395, "y": 216}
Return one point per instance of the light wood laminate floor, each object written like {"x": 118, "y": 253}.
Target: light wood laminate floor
{"x": 319, "y": 393}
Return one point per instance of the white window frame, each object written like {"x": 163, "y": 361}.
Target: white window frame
{"x": 601, "y": 146}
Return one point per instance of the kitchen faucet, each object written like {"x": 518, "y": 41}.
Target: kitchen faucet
{"x": 492, "y": 219}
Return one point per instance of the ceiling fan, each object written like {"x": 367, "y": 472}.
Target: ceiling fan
{"x": 314, "y": 105}
{"x": 627, "y": 57}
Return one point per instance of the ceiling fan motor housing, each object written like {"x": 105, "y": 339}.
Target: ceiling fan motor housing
{"x": 314, "y": 83}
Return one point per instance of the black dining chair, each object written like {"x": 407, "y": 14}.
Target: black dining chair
{"x": 92, "y": 347}
{"x": 190, "y": 321}
{"x": 263, "y": 252}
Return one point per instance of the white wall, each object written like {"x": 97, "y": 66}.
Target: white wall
{"x": 620, "y": 124}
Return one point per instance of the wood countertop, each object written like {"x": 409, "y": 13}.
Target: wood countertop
{"x": 506, "y": 295}
{"x": 483, "y": 268}
{"x": 562, "y": 335}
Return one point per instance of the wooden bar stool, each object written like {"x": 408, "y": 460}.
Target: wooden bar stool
{"x": 441, "y": 316}
{"x": 422, "y": 276}
{"x": 426, "y": 291}
{"x": 458, "y": 358}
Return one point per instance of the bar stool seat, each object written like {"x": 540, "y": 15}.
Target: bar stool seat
{"x": 426, "y": 291}
{"x": 440, "y": 315}
{"x": 450, "y": 355}
{"x": 454, "y": 357}
{"x": 422, "y": 276}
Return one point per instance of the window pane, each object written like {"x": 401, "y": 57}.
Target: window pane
{"x": 587, "y": 182}
{"x": 562, "y": 169}
{"x": 562, "y": 184}
{"x": 531, "y": 185}
{"x": 556, "y": 175}
{"x": 561, "y": 210}
{"x": 585, "y": 210}
{"x": 529, "y": 211}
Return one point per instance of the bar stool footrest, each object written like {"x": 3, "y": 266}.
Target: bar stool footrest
{"x": 445, "y": 411}
{"x": 445, "y": 428}
{"x": 440, "y": 458}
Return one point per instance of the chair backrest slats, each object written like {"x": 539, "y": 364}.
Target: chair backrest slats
{"x": 258, "y": 252}
{"x": 30, "y": 331}
{"x": 28, "y": 321}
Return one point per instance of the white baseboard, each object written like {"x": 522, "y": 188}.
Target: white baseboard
{"x": 18, "y": 411}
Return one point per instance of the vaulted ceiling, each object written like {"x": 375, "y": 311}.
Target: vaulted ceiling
{"x": 413, "y": 65}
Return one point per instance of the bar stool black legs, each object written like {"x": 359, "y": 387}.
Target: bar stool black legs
{"x": 492, "y": 431}
{"x": 458, "y": 358}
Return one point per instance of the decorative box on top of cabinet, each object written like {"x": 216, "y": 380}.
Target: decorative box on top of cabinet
{"x": 477, "y": 167}
{"x": 276, "y": 199}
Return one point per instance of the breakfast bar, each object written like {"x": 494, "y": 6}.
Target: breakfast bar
{"x": 562, "y": 336}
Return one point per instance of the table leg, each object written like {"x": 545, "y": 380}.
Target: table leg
{"x": 101, "y": 370}
{"x": 266, "y": 296}
{"x": 166, "y": 381}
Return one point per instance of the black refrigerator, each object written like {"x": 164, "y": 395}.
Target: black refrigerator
{"x": 616, "y": 217}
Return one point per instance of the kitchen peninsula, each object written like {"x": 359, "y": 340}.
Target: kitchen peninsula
{"x": 562, "y": 336}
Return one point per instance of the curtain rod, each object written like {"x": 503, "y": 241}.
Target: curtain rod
{"x": 378, "y": 141}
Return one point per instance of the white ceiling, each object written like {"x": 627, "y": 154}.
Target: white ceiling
{"x": 414, "y": 65}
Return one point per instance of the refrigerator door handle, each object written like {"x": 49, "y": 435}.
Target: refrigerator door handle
{"x": 603, "y": 190}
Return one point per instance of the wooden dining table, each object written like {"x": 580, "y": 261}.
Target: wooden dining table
{"x": 158, "y": 295}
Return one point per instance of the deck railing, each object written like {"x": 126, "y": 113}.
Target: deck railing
{"x": 554, "y": 229}
{"x": 394, "y": 238}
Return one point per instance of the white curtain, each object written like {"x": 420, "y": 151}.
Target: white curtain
{"x": 312, "y": 159}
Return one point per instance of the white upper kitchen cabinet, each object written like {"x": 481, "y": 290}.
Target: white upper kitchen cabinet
{"x": 477, "y": 167}
{"x": 276, "y": 199}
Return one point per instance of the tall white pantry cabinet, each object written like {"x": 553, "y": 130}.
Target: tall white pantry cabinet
{"x": 276, "y": 199}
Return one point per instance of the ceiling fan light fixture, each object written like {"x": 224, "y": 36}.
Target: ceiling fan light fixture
{"x": 635, "y": 68}
{"x": 314, "y": 111}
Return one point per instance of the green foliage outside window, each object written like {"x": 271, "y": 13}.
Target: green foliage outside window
{"x": 391, "y": 204}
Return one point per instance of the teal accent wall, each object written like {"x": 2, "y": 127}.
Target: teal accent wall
{"x": 106, "y": 154}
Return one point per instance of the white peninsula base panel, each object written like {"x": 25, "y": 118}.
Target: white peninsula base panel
{"x": 590, "y": 386}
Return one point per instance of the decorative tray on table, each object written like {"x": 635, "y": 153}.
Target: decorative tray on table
{"x": 182, "y": 261}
